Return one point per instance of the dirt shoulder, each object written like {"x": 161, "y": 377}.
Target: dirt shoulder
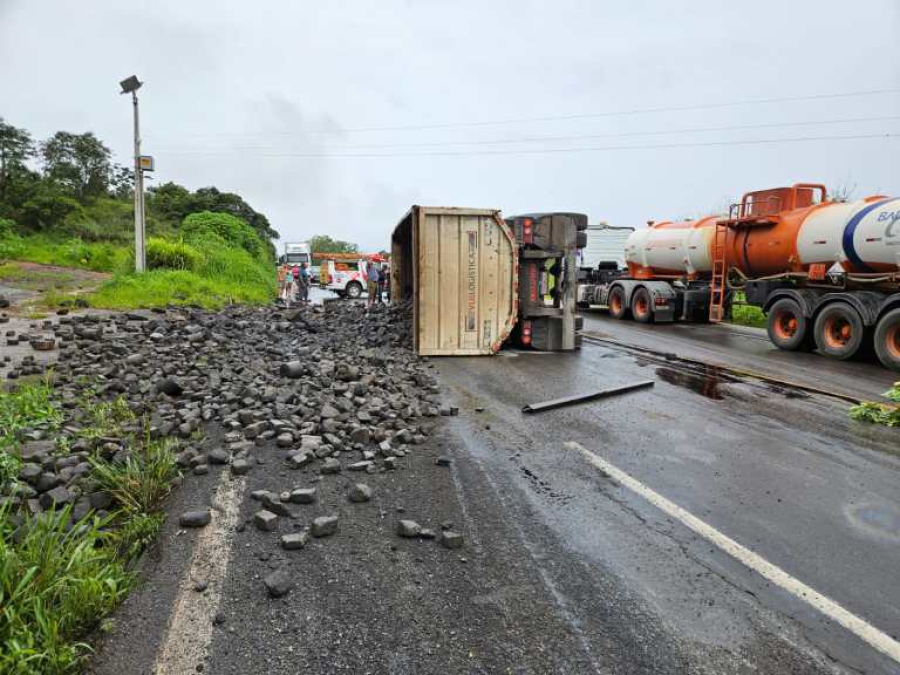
{"x": 29, "y": 286}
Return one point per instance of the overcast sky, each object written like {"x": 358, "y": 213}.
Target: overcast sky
{"x": 262, "y": 98}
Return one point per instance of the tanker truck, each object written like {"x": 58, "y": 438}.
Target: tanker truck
{"x": 825, "y": 272}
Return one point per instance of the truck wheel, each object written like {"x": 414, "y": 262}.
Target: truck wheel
{"x": 616, "y": 302}
{"x": 788, "y": 328}
{"x": 887, "y": 340}
{"x": 642, "y": 306}
{"x": 839, "y": 331}
{"x": 354, "y": 290}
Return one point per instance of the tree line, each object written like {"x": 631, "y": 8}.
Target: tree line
{"x": 61, "y": 184}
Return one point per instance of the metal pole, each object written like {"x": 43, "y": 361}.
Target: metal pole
{"x": 140, "y": 259}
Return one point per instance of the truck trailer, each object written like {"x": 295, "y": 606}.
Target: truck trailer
{"x": 825, "y": 272}
{"x": 476, "y": 281}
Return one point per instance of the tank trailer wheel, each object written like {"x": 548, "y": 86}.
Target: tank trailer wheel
{"x": 788, "y": 328}
{"x": 354, "y": 290}
{"x": 839, "y": 331}
{"x": 616, "y": 303}
{"x": 887, "y": 340}
{"x": 642, "y": 306}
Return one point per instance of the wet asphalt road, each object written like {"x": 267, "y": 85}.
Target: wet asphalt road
{"x": 747, "y": 349}
{"x": 787, "y": 475}
{"x": 565, "y": 570}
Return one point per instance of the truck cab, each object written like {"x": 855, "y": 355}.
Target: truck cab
{"x": 295, "y": 254}
{"x": 347, "y": 278}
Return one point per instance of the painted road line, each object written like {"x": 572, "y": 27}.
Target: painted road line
{"x": 186, "y": 643}
{"x": 859, "y": 627}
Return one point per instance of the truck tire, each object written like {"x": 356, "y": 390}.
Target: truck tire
{"x": 354, "y": 290}
{"x": 887, "y": 340}
{"x": 839, "y": 331}
{"x": 642, "y": 306}
{"x": 616, "y": 303}
{"x": 787, "y": 326}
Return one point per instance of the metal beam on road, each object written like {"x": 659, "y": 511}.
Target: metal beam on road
{"x": 582, "y": 398}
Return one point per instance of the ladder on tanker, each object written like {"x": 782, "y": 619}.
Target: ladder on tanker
{"x": 718, "y": 284}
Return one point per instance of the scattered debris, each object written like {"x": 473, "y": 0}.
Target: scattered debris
{"x": 265, "y": 520}
{"x": 324, "y": 526}
{"x": 195, "y": 519}
{"x": 408, "y": 529}
{"x": 294, "y": 541}
{"x": 450, "y": 539}
{"x": 279, "y": 583}
{"x": 359, "y": 493}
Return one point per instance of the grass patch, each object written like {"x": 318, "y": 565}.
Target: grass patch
{"x": 56, "y": 583}
{"x": 30, "y": 405}
{"x": 75, "y": 252}
{"x": 158, "y": 288}
{"x": 59, "y": 579}
{"x": 880, "y": 413}
{"x": 141, "y": 483}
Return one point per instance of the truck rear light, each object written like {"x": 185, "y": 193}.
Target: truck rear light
{"x": 660, "y": 302}
{"x": 526, "y": 333}
{"x": 527, "y": 235}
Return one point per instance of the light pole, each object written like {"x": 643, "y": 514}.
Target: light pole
{"x": 130, "y": 86}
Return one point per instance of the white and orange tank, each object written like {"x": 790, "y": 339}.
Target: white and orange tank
{"x": 776, "y": 231}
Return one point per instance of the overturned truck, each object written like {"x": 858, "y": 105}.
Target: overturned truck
{"x": 477, "y": 281}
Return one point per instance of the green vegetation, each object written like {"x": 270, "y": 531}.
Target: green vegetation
{"x": 880, "y": 413}
{"x": 205, "y": 247}
{"x": 324, "y": 244}
{"x": 143, "y": 481}
{"x": 59, "y": 578}
{"x": 56, "y": 583}
{"x": 29, "y": 406}
{"x": 746, "y": 315}
{"x": 43, "y": 249}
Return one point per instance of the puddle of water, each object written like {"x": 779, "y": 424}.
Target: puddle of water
{"x": 703, "y": 380}
{"x": 877, "y": 520}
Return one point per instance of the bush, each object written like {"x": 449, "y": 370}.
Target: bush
{"x": 173, "y": 255}
{"x": 233, "y": 230}
{"x": 47, "y": 209}
{"x": 7, "y": 229}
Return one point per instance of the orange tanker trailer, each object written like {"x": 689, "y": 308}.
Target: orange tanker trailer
{"x": 827, "y": 273}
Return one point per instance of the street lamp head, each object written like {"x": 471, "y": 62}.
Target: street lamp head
{"x": 130, "y": 85}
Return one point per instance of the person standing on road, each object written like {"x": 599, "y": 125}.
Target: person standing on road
{"x": 282, "y": 275}
{"x": 383, "y": 283}
{"x": 303, "y": 283}
{"x": 373, "y": 279}
{"x": 288, "y": 285}
{"x": 295, "y": 273}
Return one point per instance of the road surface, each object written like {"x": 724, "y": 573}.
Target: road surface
{"x": 747, "y": 349}
{"x": 569, "y": 565}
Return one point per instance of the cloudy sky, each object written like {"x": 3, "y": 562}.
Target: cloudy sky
{"x": 335, "y": 117}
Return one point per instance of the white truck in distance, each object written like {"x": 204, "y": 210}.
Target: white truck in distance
{"x": 295, "y": 253}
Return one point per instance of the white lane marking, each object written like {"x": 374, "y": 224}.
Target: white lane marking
{"x": 859, "y": 627}
{"x": 189, "y": 634}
